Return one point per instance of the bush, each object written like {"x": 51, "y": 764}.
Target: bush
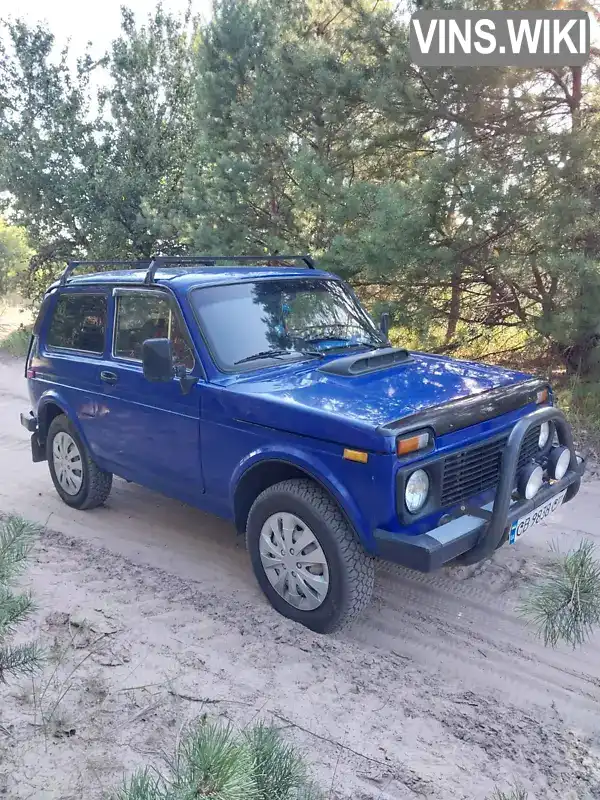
{"x": 565, "y": 606}
{"x": 16, "y": 540}
{"x": 580, "y": 400}
{"x": 215, "y": 763}
{"x": 17, "y": 342}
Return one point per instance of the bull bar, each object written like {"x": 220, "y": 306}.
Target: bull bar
{"x": 480, "y": 530}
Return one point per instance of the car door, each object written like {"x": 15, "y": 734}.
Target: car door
{"x": 153, "y": 428}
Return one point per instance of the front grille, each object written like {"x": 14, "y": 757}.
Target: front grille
{"x": 477, "y": 469}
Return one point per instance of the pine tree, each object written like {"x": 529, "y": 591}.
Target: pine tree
{"x": 16, "y": 540}
{"x": 212, "y": 761}
{"x": 565, "y": 605}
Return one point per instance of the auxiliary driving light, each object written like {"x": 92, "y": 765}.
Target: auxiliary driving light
{"x": 544, "y": 435}
{"x": 558, "y": 462}
{"x": 417, "y": 490}
{"x": 530, "y": 481}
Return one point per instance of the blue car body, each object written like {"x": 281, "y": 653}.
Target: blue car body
{"x": 218, "y": 444}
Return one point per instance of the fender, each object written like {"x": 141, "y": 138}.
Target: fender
{"x": 314, "y": 468}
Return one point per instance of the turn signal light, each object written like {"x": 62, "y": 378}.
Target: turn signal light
{"x": 412, "y": 443}
{"x": 356, "y": 455}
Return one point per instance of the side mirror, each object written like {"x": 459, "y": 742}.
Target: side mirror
{"x": 157, "y": 360}
{"x": 384, "y": 323}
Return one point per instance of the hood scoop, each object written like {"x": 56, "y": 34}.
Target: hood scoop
{"x": 364, "y": 363}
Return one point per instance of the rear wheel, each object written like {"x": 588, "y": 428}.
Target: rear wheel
{"x": 306, "y": 557}
{"x": 77, "y": 478}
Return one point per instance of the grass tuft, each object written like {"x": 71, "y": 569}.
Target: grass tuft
{"x": 516, "y": 793}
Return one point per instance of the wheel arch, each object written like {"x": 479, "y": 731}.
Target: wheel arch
{"x": 267, "y": 469}
{"x": 51, "y": 406}
{"x": 48, "y": 410}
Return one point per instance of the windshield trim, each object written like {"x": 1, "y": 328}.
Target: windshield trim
{"x": 267, "y": 363}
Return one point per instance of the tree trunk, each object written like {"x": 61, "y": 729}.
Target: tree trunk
{"x": 454, "y": 310}
{"x": 581, "y": 358}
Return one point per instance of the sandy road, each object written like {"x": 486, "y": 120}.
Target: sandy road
{"x": 438, "y": 691}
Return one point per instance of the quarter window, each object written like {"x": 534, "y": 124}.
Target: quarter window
{"x": 142, "y": 316}
{"x": 79, "y": 323}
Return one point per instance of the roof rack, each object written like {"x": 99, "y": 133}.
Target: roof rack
{"x": 210, "y": 261}
{"x": 72, "y": 266}
{"x": 153, "y": 264}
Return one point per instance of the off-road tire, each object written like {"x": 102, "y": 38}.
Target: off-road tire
{"x": 96, "y": 484}
{"x": 351, "y": 569}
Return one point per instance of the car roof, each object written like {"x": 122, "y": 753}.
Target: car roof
{"x": 184, "y": 279}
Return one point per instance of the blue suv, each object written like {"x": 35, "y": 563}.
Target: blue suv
{"x": 262, "y": 391}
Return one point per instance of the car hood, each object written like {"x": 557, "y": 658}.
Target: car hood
{"x": 327, "y": 406}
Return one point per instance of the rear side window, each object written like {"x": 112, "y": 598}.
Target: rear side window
{"x": 79, "y": 323}
{"x": 149, "y": 315}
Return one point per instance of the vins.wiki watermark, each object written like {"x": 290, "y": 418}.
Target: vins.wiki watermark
{"x": 500, "y": 38}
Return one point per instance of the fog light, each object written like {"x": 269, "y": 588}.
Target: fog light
{"x": 417, "y": 489}
{"x": 544, "y": 435}
{"x": 558, "y": 462}
{"x": 530, "y": 481}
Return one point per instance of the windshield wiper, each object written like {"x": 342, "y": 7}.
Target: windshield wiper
{"x": 278, "y": 353}
{"x": 314, "y": 353}
{"x": 275, "y": 353}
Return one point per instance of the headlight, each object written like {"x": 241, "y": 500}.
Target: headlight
{"x": 558, "y": 462}
{"x": 417, "y": 490}
{"x": 544, "y": 435}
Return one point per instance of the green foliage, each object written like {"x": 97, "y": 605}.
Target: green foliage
{"x": 16, "y": 540}
{"x": 565, "y": 606}
{"x": 14, "y": 255}
{"x": 96, "y": 172}
{"x": 516, "y": 793}
{"x": 277, "y": 767}
{"x": 283, "y": 93}
{"x": 17, "y": 341}
{"x": 142, "y": 786}
{"x": 214, "y": 763}
{"x": 580, "y": 400}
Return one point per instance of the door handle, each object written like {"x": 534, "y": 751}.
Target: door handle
{"x": 109, "y": 377}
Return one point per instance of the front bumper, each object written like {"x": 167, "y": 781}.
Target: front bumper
{"x": 480, "y": 531}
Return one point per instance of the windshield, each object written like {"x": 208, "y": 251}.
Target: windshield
{"x": 281, "y": 319}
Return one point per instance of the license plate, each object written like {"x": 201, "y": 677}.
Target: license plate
{"x": 520, "y": 526}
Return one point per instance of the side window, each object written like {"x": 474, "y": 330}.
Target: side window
{"x": 142, "y": 316}
{"x": 79, "y": 323}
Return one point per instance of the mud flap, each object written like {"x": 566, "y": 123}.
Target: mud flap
{"x": 38, "y": 451}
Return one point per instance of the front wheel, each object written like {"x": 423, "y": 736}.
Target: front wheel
{"x": 77, "y": 478}
{"x": 307, "y": 558}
